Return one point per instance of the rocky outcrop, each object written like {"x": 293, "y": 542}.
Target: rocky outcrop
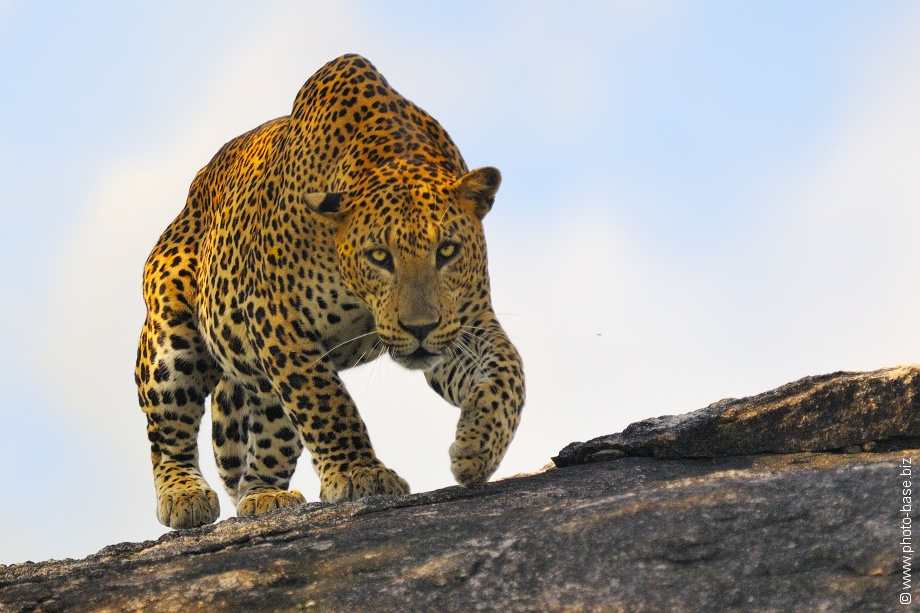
{"x": 735, "y": 526}
{"x": 840, "y": 411}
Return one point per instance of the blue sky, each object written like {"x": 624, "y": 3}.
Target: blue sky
{"x": 700, "y": 200}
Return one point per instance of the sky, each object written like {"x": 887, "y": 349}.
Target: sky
{"x": 701, "y": 200}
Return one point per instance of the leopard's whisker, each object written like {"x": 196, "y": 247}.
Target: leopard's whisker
{"x": 467, "y": 350}
{"x": 486, "y": 342}
{"x": 342, "y": 344}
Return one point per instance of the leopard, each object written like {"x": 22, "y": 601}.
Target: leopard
{"x": 319, "y": 241}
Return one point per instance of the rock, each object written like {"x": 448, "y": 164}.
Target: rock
{"x": 801, "y": 531}
{"x": 836, "y": 411}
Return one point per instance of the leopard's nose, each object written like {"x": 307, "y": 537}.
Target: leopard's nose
{"x": 420, "y": 332}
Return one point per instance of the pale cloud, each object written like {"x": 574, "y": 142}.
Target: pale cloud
{"x": 869, "y": 174}
{"x": 839, "y": 244}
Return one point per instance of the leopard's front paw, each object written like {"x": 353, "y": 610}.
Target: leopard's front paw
{"x": 360, "y": 481}
{"x": 472, "y": 462}
{"x": 188, "y": 507}
{"x": 256, "y": 503}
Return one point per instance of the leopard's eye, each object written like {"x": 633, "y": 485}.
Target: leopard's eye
{"x": 381, "y": 257}
{"x": 446, "y": 252}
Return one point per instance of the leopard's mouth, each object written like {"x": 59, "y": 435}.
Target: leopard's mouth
{"x": 420, "y": 359}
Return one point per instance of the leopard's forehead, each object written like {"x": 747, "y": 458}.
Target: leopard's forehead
{"x": 409, "y": 209}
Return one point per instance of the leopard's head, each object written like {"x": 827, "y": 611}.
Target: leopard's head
{"x": 410, "y": 246}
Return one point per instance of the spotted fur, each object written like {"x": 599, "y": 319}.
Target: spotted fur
{"x": 314, "y": 243}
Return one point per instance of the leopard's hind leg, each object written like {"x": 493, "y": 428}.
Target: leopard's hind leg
{"x": 256, "y": 448}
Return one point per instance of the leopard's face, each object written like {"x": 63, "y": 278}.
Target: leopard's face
{"x": 413, "y": 251}
{"x": 412, "y": 280}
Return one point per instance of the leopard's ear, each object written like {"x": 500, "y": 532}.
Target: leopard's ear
{"x": 325, "y": 203}
{"x": 478, "y": 187}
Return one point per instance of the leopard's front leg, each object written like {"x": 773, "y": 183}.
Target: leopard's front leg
{"x": 174, "y": 375}
{"x": 315, "y": 399}
{"x": 485, "y": 379}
